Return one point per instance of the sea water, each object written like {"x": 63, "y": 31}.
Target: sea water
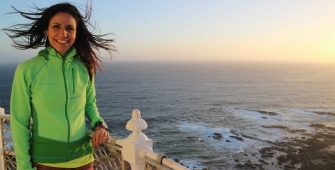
{"x": 185, "y": 103}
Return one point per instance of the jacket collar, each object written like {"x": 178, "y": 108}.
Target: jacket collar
{"x": 49, "y": 53}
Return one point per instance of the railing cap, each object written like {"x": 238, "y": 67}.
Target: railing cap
{"x": 136, "y": 123}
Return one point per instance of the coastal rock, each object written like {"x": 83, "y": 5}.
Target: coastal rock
{"x": 266, "y": 112}
{"x": 236, "y": 137}
{"x": 310, "y": 152}
{"x": 263, "y": 162}
{"x": 239, "y": 165}
{"x": 317, "y": 125}
{"x": 274, "y": 126}
{"x": 287, "y": 166}
{"x": 251, "y": 165}
{"x": 296, "y": 130}
{"x": 325, "y": 135}
{"x": 262, "y": 112}
{"x": 217, "y": 136}
{"x": 281, "y": 159}
{"x": 266, "y": 152}
{"x": 322, "y": 126}
{"x": 324, "y": 113}
{"x": 191, "y": 138}
{"x": 250, "y": 136}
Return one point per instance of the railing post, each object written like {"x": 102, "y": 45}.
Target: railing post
{"x": 2, "y": 149}
{"x": 135, "y": 141}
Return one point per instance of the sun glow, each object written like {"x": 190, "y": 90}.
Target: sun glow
{"x": 327, "y": 42}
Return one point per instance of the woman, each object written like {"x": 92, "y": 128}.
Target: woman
{"x": 56, "y": 88}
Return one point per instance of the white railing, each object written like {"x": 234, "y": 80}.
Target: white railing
{"x": 136, "y": 149}
{"x": 2, "y": 147}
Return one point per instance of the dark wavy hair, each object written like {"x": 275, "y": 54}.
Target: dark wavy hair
{"x": 33, "y": 34}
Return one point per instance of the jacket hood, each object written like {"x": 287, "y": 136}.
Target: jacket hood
{"x": 50, "y": 53}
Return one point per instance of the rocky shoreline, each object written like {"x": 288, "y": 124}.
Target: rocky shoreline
{"x": 301, "y": 150}
{"x": 305, "y": 151}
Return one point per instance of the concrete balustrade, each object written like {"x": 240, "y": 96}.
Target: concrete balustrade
{"x": 137, "y": 146}
{"x": 2, "y": 147}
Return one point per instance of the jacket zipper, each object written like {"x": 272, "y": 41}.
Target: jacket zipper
{"x": 74, "y": 87}
{"x": 66, "y": 114}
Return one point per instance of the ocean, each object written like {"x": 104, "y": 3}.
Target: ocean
{"x": 215, "y": 115}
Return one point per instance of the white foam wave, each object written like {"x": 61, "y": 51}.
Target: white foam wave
{"x": 252, "y": 115}
{"x": 312, "y": 113}
{"x": 204, "y": 133}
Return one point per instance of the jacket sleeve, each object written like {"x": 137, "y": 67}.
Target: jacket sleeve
{"x": 91, "y": 109}
{"x": 20, "y": 113}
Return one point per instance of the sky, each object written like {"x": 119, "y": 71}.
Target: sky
{"x": 201, "y": 30}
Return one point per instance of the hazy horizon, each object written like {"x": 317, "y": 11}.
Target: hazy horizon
{"x": 300, "y": 31}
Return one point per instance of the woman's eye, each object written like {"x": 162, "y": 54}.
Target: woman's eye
{"x": 69, "y": 29}
{"x": 56, "y": 26}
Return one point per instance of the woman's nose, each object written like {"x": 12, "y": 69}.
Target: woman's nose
{"x": 65, "y": 33}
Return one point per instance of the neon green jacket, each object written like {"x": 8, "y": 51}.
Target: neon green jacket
{"x": 57, "y": 93}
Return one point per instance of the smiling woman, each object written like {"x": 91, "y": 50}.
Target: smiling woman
{"x": 56, "y": 88}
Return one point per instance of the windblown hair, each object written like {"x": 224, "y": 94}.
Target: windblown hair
{"x": 34, "y": 34}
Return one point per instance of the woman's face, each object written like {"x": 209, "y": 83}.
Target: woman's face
{"x": 62, "y": 31}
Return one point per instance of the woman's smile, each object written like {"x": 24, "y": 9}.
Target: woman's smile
{"x": 62, "y": 41}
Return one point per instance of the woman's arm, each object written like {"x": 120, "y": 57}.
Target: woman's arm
{"x": 91, "y": 109}
{"x": 20, "y": 113}
{"x": 100, "y": 135}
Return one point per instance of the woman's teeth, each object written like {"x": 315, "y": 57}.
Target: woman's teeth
{"x": 62, "y": 41}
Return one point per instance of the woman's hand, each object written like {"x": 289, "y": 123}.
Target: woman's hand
{"x": 100, "y": 136}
